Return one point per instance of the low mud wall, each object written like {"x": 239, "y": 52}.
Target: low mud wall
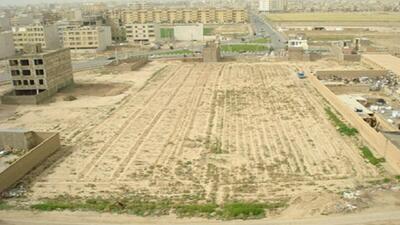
{"x": 48, "y": 144}
{"x": 382, "y": 146}
{"x": 349, "y": 74}
{"x": 138, "y": 64}
{"x": 342, "y": 89}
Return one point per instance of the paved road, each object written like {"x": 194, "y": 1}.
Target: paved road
{"x": 103, "y": 60}
{"x": 89, "y": 218}
{"x": 89, "y": 64}
{"x": 262, "y": 26}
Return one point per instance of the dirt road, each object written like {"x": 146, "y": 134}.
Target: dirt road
{"x": 83, "y": 218}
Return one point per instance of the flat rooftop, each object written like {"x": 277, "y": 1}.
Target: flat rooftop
{"x": 38, "y": 54}
{"x": 387, "y": 61}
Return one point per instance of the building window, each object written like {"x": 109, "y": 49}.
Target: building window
{"x": 31, "y": 82}
{"x": 39, "y": 72}
{"x": 41, "y": 82}
{"x": 13, "y": 62}
{"x": 26, "y": 72}
{"x": 19, "y": 82}
{"x": 38, "y": 61}
{"x": 15, "y": 72}
{"x": 15, "y": 83}
{"x": 24, "y": 62}
{"x": 25, "y": 82}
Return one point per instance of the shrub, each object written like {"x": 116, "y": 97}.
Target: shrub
{"x": 196, "y": 210}
{"x": 342, "y": 127}
{"x": 367, "y": 154}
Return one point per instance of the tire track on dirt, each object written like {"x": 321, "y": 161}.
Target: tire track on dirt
{"x": 88, "y": 168}
{"x": 133, "y": 151}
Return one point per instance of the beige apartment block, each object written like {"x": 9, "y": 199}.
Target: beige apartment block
{"x": 273, "y": 5}
{"x": 38, "y": 74}
{"x": 180, "y": 15}
{"x": 7, "y": 48}
{"x": 45, "y": 35}
{"x": 142, "y": 33}
{"x": 87, "y": 37}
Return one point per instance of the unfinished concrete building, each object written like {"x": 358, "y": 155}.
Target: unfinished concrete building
{"x": 347, "y": 50}
{"x": 36, "y": 75}
{"x": 211, "y": 52}
{"x": 297, "y": 47}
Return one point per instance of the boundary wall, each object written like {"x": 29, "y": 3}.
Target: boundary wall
{"x": 48, "y": 144}
{"x": 380, "y": 144}
{"x": 349, "y": 74}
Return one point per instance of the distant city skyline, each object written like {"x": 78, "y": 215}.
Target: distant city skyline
{"x": 26, "y": 2}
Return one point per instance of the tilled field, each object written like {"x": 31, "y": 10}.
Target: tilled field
{"x": 209, "y": 131}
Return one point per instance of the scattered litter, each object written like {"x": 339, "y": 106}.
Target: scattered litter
{"x": 16, "y": 192}
{"x": 351, "y": 195}
{"x": 395, "y": 114}
{"x": 350, "y": 207}
{"x": 374, "y": 108}
{"x": 4, "y": 153}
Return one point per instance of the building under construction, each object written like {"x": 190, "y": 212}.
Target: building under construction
{"x": 38, "y": 74}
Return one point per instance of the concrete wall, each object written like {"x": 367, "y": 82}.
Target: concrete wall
{"x": 17, "y": 139}
{"x": 12, "y": 99}
{"x": 351, "y": 58}
{"x": 382, "y": 146}
{"x": 340, "y": 89}
{"x": 349, "y": 74}
{"x": 49, "y": 143}
{"x": 340, "y": 56}
{"x": 58, "y": 70}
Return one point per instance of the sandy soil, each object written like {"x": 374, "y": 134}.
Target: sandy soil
{"x": 211, "y": 131}
{"x": 384, "y": 212}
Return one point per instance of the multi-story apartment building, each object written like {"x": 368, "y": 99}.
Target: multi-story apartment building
{"x": 180, "y": 15}
{"x": 273, "y": 5}
{"x": 7, "y": 48}
{"x": 87, "y": 37}
{"x": 142, "y": 33}
{"x": 46, "y": 35}
{"x": 64, "y": 25}
{"x": 40, "y": 73}
{"x": 94, "y": 8}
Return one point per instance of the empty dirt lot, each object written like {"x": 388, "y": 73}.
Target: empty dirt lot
{"x": 218, "y": 132}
